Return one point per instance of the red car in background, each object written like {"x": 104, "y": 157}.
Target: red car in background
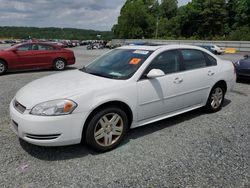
{"x": 35, "y": 55}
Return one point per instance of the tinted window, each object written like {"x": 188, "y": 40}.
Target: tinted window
{"x": 193, "y": 59}
{"x": 210, "y": 60}
{"x": 25, "y": 47}
{"x": 35, "y": 47}
{"x": 168, "y": 62}
{"x": 45, "y": 47}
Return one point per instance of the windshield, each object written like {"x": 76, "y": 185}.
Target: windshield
{"x": 118, "y": 64}
{"x": 12, "y": 47}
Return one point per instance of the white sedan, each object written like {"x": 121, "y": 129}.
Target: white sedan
{"x": 126, "y": 88}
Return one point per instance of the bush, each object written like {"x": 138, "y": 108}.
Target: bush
{"x": 240, "y": 34}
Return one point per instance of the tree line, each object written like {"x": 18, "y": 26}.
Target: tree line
{"x": 199, "y": 19}
{"x": 53, "y": 33}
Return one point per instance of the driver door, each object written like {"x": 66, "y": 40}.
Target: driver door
{"x": 161, "y": 95}
{"x": 22, "y": 56}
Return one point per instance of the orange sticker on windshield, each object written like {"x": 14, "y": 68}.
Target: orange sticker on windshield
{"x": 134, "y": 61}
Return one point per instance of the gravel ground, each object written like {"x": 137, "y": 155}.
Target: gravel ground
{"x": 195, "y": 149}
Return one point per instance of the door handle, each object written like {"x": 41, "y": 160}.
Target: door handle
{"x": 210, "y": 73}
{"x": 178, "y": 80}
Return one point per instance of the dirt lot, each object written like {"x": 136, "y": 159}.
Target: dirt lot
{"x": 195, "y": 149}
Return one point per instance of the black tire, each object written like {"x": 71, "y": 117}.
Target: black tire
{"x": 216, "y": 98}
{"x": 96, "y": 135}
{"x": 59, "y": 64}
{"x": 3, "y": 67}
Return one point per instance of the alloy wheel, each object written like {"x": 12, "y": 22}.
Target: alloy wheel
{"x": 60, "y": 64}
{"x": 216, "y": 97}
{"x": 108, "y": 129}
{"x": 2, "y": 68}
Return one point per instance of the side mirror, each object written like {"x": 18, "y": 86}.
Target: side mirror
{"x": 155, "y": 73}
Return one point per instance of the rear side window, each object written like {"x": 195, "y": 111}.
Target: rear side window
{"x": 45, "y": 47}
{"x": 193, "y": 59}
{"x": 210, "y": 60}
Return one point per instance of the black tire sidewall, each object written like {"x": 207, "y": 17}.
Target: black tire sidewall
{"x": 89, "y": 131}
{"x": 5, "y": 67}
{"x": 208, "y": 105}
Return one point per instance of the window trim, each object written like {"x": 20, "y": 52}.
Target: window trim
{"x": 207, "y": 60}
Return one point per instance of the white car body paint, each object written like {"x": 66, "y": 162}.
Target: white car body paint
{"x": 147, "y": 99}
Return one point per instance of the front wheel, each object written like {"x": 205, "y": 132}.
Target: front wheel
{"x": 3, "y": 67}
{"x": 106, "y": 129}
{"x": 215, "y": 99}
{"x": 59, "y": 64}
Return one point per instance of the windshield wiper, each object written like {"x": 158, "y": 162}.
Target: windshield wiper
{"x": 83, "y": 69}
{"x": 99, "y": 74}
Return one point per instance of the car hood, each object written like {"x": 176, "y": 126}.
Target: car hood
{"x": 61, "y": 86}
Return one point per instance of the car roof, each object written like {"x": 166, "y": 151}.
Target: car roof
{"x": 154, "y": 48}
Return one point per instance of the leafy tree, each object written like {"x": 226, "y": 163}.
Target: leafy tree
{"x": 169, "y": 8}
{"x": 52, "y": 33}
{"x": 135, "y": 20}
{"x": 242, "y": 13}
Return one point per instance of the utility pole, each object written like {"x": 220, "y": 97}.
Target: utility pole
{"x": 157, "y": 26}
{"x": 158, "y": 2}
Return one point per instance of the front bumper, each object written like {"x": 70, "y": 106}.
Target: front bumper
{"x": 46, "y": 130}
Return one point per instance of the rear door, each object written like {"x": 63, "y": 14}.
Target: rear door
{"x": 43, "y": 54}
{"x": 198, "y": 76}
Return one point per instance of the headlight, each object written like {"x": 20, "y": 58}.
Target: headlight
{"x": 54, "y": 108}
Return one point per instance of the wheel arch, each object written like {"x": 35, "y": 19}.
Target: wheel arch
{"x": 223, "y": 83}
{"x": 1, "y": 59}
{"x": 61, "y": 58}
{"x": 116, "y": 103}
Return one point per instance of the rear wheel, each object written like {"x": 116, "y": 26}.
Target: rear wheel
{"x": 216, "y": 98}
{"x": 3, "y": 67}
{"x": 59, "y": 64}
{"x": 106, "y": 129}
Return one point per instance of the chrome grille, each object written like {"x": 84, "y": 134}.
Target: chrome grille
{"x": 19, "y": 107}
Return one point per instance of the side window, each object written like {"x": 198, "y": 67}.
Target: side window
{"x": 193, "y": 59}
{"x": 210, "y": 60}
{"x": 35, "y": 47}
{"x": 168, "y": 62}
{"x": 45, "y": 47}
{"x": 25, "y": 47}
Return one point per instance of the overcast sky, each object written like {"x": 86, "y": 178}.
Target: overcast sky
{"x": 85, "y": 14}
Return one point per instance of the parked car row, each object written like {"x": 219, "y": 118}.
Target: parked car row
{"x": 40, "y": 55}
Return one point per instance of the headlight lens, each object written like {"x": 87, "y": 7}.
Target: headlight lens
{"x": 54, "y": 108}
